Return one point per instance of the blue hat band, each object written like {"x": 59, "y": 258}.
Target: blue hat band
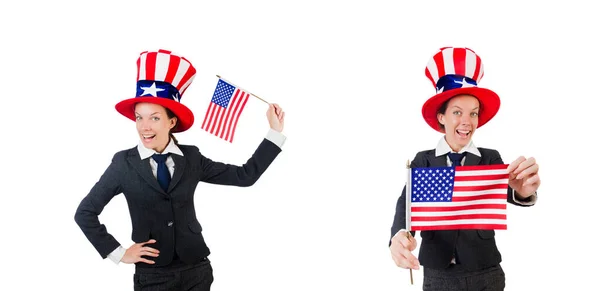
{"x": 451, "y": 82}
{"x": 149, "y": 88}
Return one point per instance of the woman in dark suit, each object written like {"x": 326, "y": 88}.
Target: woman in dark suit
{"x": 159, "y": 177}
{"x": 460, "y": 259}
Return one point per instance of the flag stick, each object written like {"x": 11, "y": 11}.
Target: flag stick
{"x": 408, "y": 232}
{"x": 263, "y": 100}
{"x": 411, "y": 276}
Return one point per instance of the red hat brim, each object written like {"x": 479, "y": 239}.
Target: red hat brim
{"x": 184, "y": 115}
{"x": 489, "y": 103}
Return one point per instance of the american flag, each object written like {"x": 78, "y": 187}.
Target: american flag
{"x": 464, "y": 197}
{"x": 224, "y": 110}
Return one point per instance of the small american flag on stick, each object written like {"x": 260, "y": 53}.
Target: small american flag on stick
{"x": 224, "y": 110}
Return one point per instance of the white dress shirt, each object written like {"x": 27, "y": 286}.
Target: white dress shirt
{"x": 274, "y": 136}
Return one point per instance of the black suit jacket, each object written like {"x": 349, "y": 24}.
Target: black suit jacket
{"x": 474, "y": 249}
{"x": 168, "y": 217}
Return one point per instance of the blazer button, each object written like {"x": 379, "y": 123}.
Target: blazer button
{"x": 170, "y": 224}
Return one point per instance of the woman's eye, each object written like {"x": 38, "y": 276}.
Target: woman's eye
{"x": 475, "y": 114}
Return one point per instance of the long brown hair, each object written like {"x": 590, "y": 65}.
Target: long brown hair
{"x": 170, "y": 114}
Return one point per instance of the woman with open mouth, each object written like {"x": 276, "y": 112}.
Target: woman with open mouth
{"x": 460, "y": 259}
{"x": 159, "y": 177}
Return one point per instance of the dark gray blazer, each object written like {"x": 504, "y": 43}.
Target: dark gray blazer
{"x": 475, "y": 249}
{"x": 168, "y": 217}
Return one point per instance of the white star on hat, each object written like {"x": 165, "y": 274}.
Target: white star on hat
{"x": 464, "y": 83}
{"x": 151, "y": 90}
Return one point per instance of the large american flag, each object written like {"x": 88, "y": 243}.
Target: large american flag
{"x": 464, "y": 197}
{"x": 224, "y": 110}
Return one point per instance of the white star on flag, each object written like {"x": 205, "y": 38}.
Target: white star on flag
{"x": 151, "y": 90}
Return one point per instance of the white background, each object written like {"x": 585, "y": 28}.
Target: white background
{"x": 350, "y": 77}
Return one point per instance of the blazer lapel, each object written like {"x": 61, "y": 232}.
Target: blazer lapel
{"x": 434, "y": 161}
{"x": 143, "y": 169}
{"x": 472, "y": 160}
{"x": 179, "y": 169}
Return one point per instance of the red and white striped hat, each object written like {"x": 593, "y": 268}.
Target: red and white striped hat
{"x": 456, "y": 71}
{"x": 162, "y": 79}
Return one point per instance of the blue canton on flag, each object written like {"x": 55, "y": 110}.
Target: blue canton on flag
{"x": 432, "y": 184}
{"x": 222, "y": 94}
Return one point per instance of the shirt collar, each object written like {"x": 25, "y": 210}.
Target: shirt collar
{"x": 443, "y": 148}
{"x": 146, "y": 152}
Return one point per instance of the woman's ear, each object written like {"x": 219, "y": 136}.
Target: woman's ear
{"x": 440, "y": 118}
{"x": 173, "y": 122}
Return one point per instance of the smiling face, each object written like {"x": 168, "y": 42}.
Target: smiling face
{"x": 153, "y": 125}
{"x": 460, "y": 119}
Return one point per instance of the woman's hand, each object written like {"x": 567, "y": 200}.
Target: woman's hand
{"x": 134, "y": 253}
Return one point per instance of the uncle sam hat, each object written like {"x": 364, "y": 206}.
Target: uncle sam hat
{"x": 457, "y": 71}
{"x": 162, "y": 78}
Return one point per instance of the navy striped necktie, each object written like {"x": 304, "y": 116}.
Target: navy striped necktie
{"x": 162, "y": 172}
{"x": 455, "y": 158}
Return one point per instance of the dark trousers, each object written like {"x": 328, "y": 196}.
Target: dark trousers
{"x": 174, "y": 277}
{"x": 454, "y": 278}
